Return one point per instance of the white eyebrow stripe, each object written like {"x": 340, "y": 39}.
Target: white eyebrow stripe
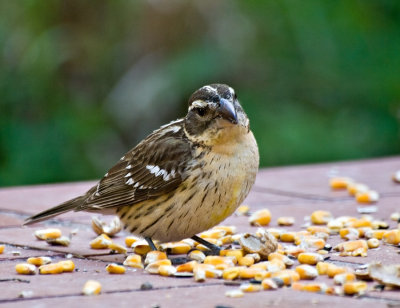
{"x": 210, "y": 89}
{"x": 232, "y": 91}
{"x": 198, "y": 104}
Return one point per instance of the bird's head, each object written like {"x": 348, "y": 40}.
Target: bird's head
{"x": 215, "y": 112}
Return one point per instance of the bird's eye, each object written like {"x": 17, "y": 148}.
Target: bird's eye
{"x": 201, "y": 111}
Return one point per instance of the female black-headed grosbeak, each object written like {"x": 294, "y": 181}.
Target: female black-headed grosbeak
{"x": 182, "y": 179}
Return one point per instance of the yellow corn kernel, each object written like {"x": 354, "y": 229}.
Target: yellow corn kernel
{"x": 321, "y": 217}
{"x": 333, "y": 270}
{"x": 117, "y": 248}
{"x": 260, "y": 218}
{"x": 287, "y": 276}
{"x": 288, "y": 237}
{"x": 349, "y": 233}
{"x": 129, "y": 240}
{"x": 353, "y": 248}
{"x": 236, "y": 253}
{"x": 286, "y": 221}
{"x": 340, "y": 182}
{"x": 213, "y": 233}
{"x": 100, "y": 242}
{"x": 38, "y": 261}
{"x": 245, "y": 261}
{"x": 275, "y": 263}
{"x": 247, "y": 272}
{"x": 167, "y": 270}
{"x": 67, "y": 265}
{"x": 306, "y": 272}
{"x": 311, "y": 242}
{"x": 197, "y": 255}
{"x": 260, "y": 265}
{"x": 91, "y": 287}
{"x": 286, "y": 260}
{"x": 309, "y": 258}
{"x": 141, "y": 247}
{"x": 229, "y": 230}
{"x": 392, "y": 237}
{"x": 186, "y": 267}
{"x": 114, "y": 268}
{"x": 176, "y": 248}
{"x": 133, "y": 260}
{"x": 369, "y": 196}
{"x": 155, "y": 255}
{"x": 309, "y": 287}
{"x": 377, "y": 234}
{"x": 46, "y": 234}
{"x": 235, "y": 293}
{"x": 318, "y": 229}
{"x": 219, "y": 262}
{"x": 52, "y": 268}
{"x": 269, "y": 284}
{"x": 231, "y": 273}
{"x": 261, "y": 275}
{"x": 243, "y": 210}
{"x": 373, "y": 243}
{"x": 322, "y": 268}
{"x": 25, "y": 269}
{"x": 294, "y": 251}
{"x": 153, "y": 268}
{"x": 355, "y": 188}
{"x": 395, "y": 216}
{"x": 250, "y": 287}
{"x": 343, "y": 278}
{"x": 2, "y": 249}
{"x": 275, "y": 232}
{"x": 359, "y": 223}
{"x": 357, "y": 287}
{"x": 208, "y": 269}
{"x": 363, "y": 231}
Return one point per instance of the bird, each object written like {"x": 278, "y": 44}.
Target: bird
{"x": 183, "y": 178}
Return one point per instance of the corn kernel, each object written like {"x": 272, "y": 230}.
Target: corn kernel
{"x": 176, "y": 248}
{"x": 186, "y": 267}
{"x": 236, "y": 253}
{"x": 287, "y": 276}
{"x": 311, "y": 242}
{"x": 349, "y": 233}
{"x": 141, "y": 247}
{"x": 197, "y": 255}
{"x": 351, "y": 288}
{"x": 245, "y": 261}
{"x": 25, "y": 269}
{"x": 395, "y": 216}
{"x": 208, "y": 269}
{"x": 359, "y": 223}
{"x": 133, "y": 260}
{"x": 45, "y": 234}
{"x": 114, "y": 268}
{"x": 67, "y": 265}
{"x": 369, "y": 196}
{"x": 309, "y": 258}
{"x": 286, "y": 221}
{"x": 321, "y": 217}
{"x": 117, "y": 248}
{"x": 275, "y": 232}
{"x": 396, "y": 176}
{"x": 307, "y": 272}
{"x": 100, "y": 242}
{"x": 318, "y": 229}
{"x": 377, "y": 234}
{"x": 243, "y": 210}
{"x": 322, "y": 268}
{"x": 53, "y": 268}
{"x": 310, "y": 287}
{"x": 373, "y": 243}
{"x": 343, "y": 278}
{"x": 355, "y": 188}
{"x": 167, "y": 270}
{"x": 59, "y": 241}
{"x": 2, "y": 249}
{"x": 288, "y": 237}
{"x": 231, "y": 273}
{"x": 129, "y": 240}
{"x": 213, "y": 233}
{"x": 294, "y": 251}
{"x": 340, "y": 182}
{"x": 91, "y": 287}
{"x": 38, "y": 261}
{"x": 247, "y": 272}
{"x": 229, "y": 230}
{"x": 235, "y": 293}
{"x": 333, "y": 270}
{"x": 353, "y": 248}
{"x": 260, "y": 218}
{"x": 153, "y": 268}
{"x": 286, "y": 260}
{"x": 155, "y": 255}
{"x": 219, "y": 262}
{"x": 269, "y": 284}
{"x": 392, "y": 237}
{"x": 250, "y": 287}
{"x": 260, "y": 276}
{"x": 109, "y": 228}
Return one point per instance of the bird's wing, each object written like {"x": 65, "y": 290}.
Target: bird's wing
{"x": 155, "y": 167}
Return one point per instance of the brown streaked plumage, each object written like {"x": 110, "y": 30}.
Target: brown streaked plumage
{"x": 183, "y": 178}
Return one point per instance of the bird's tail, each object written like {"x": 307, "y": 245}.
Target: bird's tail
{"x": 55, "y": 211}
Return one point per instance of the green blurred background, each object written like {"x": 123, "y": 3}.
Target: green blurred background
{"x": 81, "y": 82}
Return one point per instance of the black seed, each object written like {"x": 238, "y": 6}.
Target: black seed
{"x": 146, "y": 286}
{"x": 254, "y": 281}
{"x": 279, "y": 282}
{"x": 327, "y": 247}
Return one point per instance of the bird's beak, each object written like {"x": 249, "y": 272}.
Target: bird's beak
{"x": 227, "y": 111}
